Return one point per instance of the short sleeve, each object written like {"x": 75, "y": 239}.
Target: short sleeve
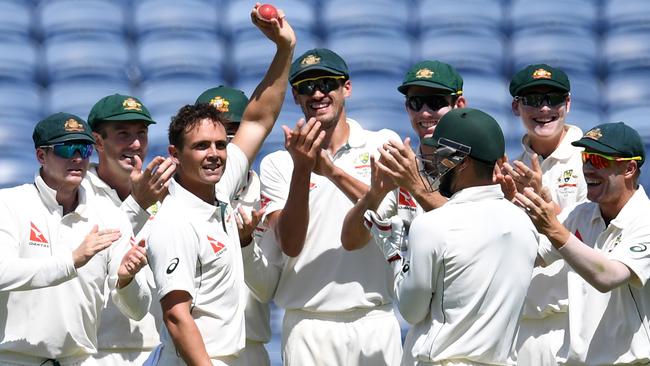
{"x": 235, "y": 174}
{"x": 173, "y": 251}
{"x": 275, "y": 179}
{"x": 634, "y": 252}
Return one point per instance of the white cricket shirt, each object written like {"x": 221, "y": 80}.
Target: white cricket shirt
{"x": 609, "y": 328}
{"x": 36, "y": 241}
{"x": 116, "y": 331}
{"x": 470, "y": 266}
{"x": 194, "y": 247}
{"x": 325, "y": 277}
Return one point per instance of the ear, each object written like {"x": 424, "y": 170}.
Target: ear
{"x": 347, "y": 88}
{"x": 515, "y": 107}
{"x": 461, "y": 102}
{"x": 295, "y": 95}
{"x": 173, "y": 154}
{"x": 631, "y": 169}
{"x": 99, "y": 142}
{"x": 568, "y": 103}
{"x": 40, "y": 155}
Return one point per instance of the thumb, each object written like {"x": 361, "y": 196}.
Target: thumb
{"x": 407, "y": 142}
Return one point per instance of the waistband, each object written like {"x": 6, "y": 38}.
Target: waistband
{"x": 343, "y": 316}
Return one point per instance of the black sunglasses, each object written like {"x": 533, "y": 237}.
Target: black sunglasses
{"x": 325, "y": 84}
{"x": 536, "y": 99}
{"x": 434, "y": 101}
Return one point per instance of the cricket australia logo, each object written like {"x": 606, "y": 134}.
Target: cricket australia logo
{"x": 130, "y": 104}
{"x": 310, "y": 60}
{"x": 568, "y": 179}
{"x": 424, "y": 74}
{"x": 542, "y": 74}
{"x": 221, "y": 104}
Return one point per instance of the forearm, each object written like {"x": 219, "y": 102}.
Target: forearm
{"x": 291, "y": 226}
{"x": 187, "y": 339}
{"x": 602, "y": 273}
{"x": 353, "y": 188}
{"x": 428, "y": 200}
{"x": 21, "y": 274}
{"x": 354, "y": 234}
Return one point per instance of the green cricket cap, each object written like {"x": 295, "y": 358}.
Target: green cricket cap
{"x": 61, "y": 127}
{"x": 474, "y": 128}
{"x": 229, "y": 101}
{"x": 539, "y": 75}
{"x": 613, "y": 139}
{"x": 318, "y": 59}
{"x": 118, "y": 107}
{"x": 433, "y": 74}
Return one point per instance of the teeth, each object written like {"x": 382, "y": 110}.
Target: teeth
{"x": 318, "y": 105}
{"x": 592, "y": 181}
{"x": 427, "y": 124}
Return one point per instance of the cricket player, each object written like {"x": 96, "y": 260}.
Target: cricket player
{"x": 59, "y": 252}
{"x": 606, "y": 244}
{"x": 470, "y": 260}
{"x": 431, "y": 88}
{"x": 338, "y": 304}
{"x": 246, "y": 202}
{"x": 194, "y": 245}
{"x": 120, "y": 127}
{"x": 542, "y": 100}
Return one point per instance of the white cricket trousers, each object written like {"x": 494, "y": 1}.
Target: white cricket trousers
{"x": 119, "y": 357}
{"x": 539, "y": 340}
{"x": 255, "y": 354}
{"x": 365, "y": 337}
{"x": 15, "y": 359}
{"x": 166, "y": 356}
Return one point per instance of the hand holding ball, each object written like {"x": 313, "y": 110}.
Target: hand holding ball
{"x": 267, "y": 12}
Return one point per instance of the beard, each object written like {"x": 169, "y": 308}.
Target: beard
{"x": 446, "y": 182}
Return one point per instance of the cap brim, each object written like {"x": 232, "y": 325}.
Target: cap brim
{"x": 429, "y": 141}
{"x": 72, "y": 137}
{"x": 428, "y": 84}
{"x": 542, "y": 82}
{"x": 596, "y": 146}
{"x": 317, "y": 67}
{"x": 130, "y": 117}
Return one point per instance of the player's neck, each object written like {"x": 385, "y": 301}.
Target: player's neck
{"x": 121, "y": 183}
{"x": 544, "y": 147}
{"x": 338, "y": 136}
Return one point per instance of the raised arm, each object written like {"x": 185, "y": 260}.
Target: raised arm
{"x": 266, "y": 101}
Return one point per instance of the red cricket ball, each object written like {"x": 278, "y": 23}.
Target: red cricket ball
{"x": 267, "y": 12}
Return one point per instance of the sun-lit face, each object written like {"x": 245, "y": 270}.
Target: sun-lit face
{"x": 201, "y": 161}
{"x": 122, "y": 141}
{"x": 544, "y": 122}
{"x": 326, "y": 107}
{"x": 61, "y": 173}
{"x": 606, "y": 185}
{"x": 425, "y": 120}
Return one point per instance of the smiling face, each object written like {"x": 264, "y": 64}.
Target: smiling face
{"x": 59, "y": 173}
{"x": 118, "y": 142}
{"x": 201, "y": 160}
{"x": 544, "y": 122}
{"x": 606, "y": 186}
{"x": 326, "y": 107}
{"x": 425, "y": 120}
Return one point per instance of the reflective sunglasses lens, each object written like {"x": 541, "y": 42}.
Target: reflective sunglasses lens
{"x": 434, "y": 102}
{"x": 67, "y": 151}
{"x": 596, "y": 161}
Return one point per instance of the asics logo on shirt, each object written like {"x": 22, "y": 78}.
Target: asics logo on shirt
{"x": 172, "y": 265}
{"x": 36, "y": 237}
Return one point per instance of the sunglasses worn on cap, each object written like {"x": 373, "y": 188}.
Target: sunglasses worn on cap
{"x": 67, "y": 150}
{"x": 536, "y": 99}
{"x": 323, "y": 83}
{"x": 600, "y": 161}
{"x": 434, "y": 101}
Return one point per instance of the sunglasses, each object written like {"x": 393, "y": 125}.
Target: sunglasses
{"x": 536, "y": 100}
{"x": 600, "y": 161}
{"x": 323, "y": 83}
{"x": 435, "y": 101}
{"x": 67, "y": 150}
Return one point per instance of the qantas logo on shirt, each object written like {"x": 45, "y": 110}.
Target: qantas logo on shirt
{"x": 264, "y": 201}
{"x": 36, "y": 237}
{"x": 217, "y": 246}
{"x": 312, "y": 186}
{"x": 405, "y": 199}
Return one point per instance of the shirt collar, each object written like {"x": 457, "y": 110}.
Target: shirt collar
{"x": 48, "y": 196}
{"x": 638, "y": 204}
{"x": 564, "y": 151}
{"x": 357, "y": 134}
{"x": 196, "y": 205}
{"x": 96, "y": 181}
{"x": 476, "y": 194}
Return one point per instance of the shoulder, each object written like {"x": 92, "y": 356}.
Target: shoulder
{"x": 277, "y": 160}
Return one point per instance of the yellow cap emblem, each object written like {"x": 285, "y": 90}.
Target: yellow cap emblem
{"x": 220, "y": 104}
{"x": 424, "y": 74}
{"x": 541, "y": 74}
{"x": 131, "y": 104}
{"x": 72, "y": 125}
{"x": 594, "y": 134}
{"x": 310, "y": 60}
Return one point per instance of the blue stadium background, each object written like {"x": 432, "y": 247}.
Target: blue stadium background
{"x": 63, "y": 55}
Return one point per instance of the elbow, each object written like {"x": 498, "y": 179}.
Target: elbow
{"x": 290, "y": 249}
{"x": 603, "y": 285}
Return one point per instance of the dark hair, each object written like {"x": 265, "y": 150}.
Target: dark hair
{"x": 483, "y": 169}
{"x": 100, "y": 128}
{"x": 188, "y": 117}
